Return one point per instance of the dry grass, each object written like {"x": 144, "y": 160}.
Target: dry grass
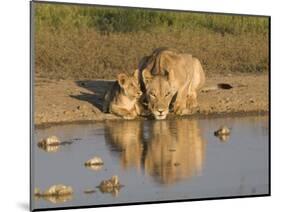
{"x": 81, "y": 51}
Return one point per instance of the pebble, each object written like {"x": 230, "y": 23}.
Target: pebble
{"x": 50, "y": 141}
{"x": 222, "y": 131}
{"x": 55, "y": 190}
{"x": 94, "y": 163}
{"x": 113, "y": 182}
{"x": 111, "y": 185}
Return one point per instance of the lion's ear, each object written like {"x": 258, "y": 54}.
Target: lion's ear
{"x": 146, "y": 75}
{"x": 122, "y": 78}
{"x": 136, "y": 74}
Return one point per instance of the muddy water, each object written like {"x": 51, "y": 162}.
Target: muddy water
{"x": 154, "y": 160}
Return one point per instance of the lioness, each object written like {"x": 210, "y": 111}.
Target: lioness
{"x": 123, "y": 98}
{"x": 166, "y": 74}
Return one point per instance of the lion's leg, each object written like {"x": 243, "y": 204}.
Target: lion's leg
{"x": 186, "y": 102}
{"x": 191, "y": 100}
{"x": 180, "y": 102}
{"x": 197, "y": 82}
{"x": 124, "y": 113}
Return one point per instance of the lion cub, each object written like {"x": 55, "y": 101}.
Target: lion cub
{"x": 123, "y": 99}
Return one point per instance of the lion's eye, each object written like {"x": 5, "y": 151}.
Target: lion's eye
{"x": 167, "y": 94}
{"x": 152, "y": 95}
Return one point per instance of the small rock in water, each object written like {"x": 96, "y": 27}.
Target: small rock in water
{"x": 55, "y": 194}
{"x": 95, "y": 163}
{"x": 59, "y": 190}
{"x": 222, "y": 131}
{"x": 50, "y": 144}
{"x": 111, "y": 185}
{"x": 112, "y": 182}
{"x": 50, "y": 141}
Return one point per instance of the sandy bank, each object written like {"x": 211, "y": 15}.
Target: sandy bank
{"x": 70, "y": 101}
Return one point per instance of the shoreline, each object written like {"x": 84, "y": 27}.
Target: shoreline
{"x": 170, "y": 117}
{"x": 67, "y": 101}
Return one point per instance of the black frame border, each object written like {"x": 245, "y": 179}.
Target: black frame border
{"x": 31, "y": 106}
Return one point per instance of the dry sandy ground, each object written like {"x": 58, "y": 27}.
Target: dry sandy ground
{"x": 66, "y": 101}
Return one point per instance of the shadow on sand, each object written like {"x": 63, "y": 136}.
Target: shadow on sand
{"x": 97, "y": 89}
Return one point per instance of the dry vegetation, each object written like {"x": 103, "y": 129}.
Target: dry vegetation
{"x": 78, "y": 42}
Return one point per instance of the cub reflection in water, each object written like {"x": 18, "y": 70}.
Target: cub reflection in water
{"x": 169, "y": 151}
{"x": 126, "y": 137}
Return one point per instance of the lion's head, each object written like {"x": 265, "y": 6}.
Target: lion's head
{"x": 130, "y": 85}
{"x": 159, "y": 93}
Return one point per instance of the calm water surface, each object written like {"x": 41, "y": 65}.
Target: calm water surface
{"x": 154, "y": 160}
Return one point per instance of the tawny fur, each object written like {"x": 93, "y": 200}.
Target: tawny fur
{"x": 168, "y": 74}
{"x": 123, "y": 99}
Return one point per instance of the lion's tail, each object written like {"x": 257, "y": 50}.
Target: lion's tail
{"x": 223, "y": 86}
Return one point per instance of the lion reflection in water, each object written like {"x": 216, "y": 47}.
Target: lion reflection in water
{"x": 169, "y": 151}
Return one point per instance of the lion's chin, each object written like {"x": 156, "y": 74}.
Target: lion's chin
{"x": 160, "y": 117}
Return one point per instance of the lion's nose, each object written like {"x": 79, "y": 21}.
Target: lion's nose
{"x": 160, "y": 110}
